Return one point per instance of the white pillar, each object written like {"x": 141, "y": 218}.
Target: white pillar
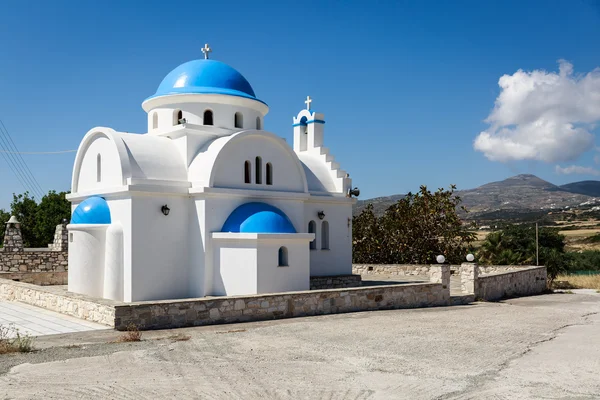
{"x": 113, "y": 263}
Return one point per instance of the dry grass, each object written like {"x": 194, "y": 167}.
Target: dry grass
{"x": 132, "y": 334}
{"x": 577, "y": 282}
{"x": 18, "y": 344}
{"x": 179, "y": 338}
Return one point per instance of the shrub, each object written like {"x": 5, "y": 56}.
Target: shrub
{"x": 12, "y": 341}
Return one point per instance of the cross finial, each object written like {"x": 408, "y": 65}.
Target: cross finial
{"x": 308, "y": 101}
{"x": 206, "y": 50}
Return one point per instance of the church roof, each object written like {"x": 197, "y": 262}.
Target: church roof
{"x": 205, "y": 77}
{"x": 258, "y": 218}
{"x": 93, "y": 210}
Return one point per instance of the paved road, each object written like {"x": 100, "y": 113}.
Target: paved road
{"x": 543, "y": 347}
{"x": 35, "y": 321}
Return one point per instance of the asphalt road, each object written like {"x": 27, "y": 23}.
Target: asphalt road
{"x": 542, "y": 347}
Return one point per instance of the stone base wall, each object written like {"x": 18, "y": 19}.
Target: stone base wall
{"x": 37, "y": 278}
{"x": 524, "y": 282}
{"x": 34, "y": 261}
{"x": 390, "y": 269}
{"x": 495, "y": 269}
{"x": 96, "y": 310}
{"x": 334, "y": 282}
{"x": 181, "y": 313}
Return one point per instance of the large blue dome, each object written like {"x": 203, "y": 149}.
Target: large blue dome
{"x": 93, "y": 210}
{"x": 206, "y": 77}
{"x": 258, "y": 218}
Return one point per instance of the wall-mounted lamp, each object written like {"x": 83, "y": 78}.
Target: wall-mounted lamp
{"x": 165, "y": 209}
{"x": 321, "y": 214}
{"x": 353, "y": 192}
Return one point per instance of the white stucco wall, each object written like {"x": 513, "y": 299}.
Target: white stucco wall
{"x": 236, "y": 268}
{"x": 86, "y": 259}
{"x": 337, "y": 260}
{"x": 111, "y": 174}
{"x": 159, "y": 259}
{"x": 273, "y": 278}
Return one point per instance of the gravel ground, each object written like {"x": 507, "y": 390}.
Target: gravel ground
{"x": 529, "y": 348}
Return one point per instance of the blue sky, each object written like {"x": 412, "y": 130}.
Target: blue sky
{"x": 405, "y": 86}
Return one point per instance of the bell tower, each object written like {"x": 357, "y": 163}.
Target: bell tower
{"x": 308, "y": 129}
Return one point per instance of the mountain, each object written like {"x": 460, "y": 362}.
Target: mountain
{"x": 588, "y": 188}
{"x": 520, "y": 192}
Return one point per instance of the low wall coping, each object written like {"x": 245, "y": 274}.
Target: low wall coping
{"x": 524, "y": 268}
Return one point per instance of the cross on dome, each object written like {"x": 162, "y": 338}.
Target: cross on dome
{"x": 206, "y": 50}
{"x": 308, "y": 101}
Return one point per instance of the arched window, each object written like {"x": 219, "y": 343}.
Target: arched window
{"x": 312, "y": 228}
{"x": 258, "y": 177}
{"x": 325, "y": 235}
{"x": 258, "y": 125}
{"x": 208, "y": 117}
{"x": 247, "y": 172}
{"x": 238, "y": 120}
{"x": 98, "y": 168}
{"x": 269, "y": 174}
{"x": 177, "y": 115}
{"x": 155, "y": 120}
{"x": 283, "y": 256}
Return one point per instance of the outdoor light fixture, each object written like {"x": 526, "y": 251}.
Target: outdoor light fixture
{"x": 470, "y": 257}
{"x": 321, "y": 214}
{"x": 440, "y": 259}
{"x": 165, "y": 209}
{"x": 353, "y": 192}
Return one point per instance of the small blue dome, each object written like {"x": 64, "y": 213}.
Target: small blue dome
{"x": 258, "y": 218}
{"x": 205, "y": 76}
{"x": 93, "y": 210}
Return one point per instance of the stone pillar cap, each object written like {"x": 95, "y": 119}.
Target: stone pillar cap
{"x": 12, "y": 220}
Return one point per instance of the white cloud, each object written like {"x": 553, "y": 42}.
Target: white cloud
{"x": 576, "y": 169}
{"x": 544, "y": 116}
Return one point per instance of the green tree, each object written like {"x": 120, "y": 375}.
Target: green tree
{"x": 4, "y": 217}
{"x": 38, "y": 221}
{"x": 414, "y": 230}
{"x": 25, "y": 209}
{"x": 52, "y": 210}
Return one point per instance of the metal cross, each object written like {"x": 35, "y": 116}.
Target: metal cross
{"x": 308, "y": 101}
{"x": 206, "y": 50}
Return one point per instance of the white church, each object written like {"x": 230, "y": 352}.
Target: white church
{"x": 207, "y": 203}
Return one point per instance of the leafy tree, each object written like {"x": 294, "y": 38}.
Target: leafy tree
{"x": 4, "y": 217}
{"x": 414, "y": 230}
{"x": 38, "y": 221}
{"x": 25, "y": 209}
{"x": 52, "y": 210}
{"x": 515, "y": 245}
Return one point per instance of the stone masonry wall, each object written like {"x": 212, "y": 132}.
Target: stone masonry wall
{"x": 37, "y": 278}
{"x": 61, "y": 239}
{"x": 180, "y": 313}
{"x": 34, "y": 261}
{"x": 524, "y": 282}
{"x": 334, "y": 282}
{"x": 57, "y": 299}
{"x": 418, "y": 269}
{"x": 13, "y": 240}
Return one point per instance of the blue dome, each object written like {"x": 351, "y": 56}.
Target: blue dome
{"x": 207, "y": 77}
{"x": 258, "y": 218}
{"x": 93, "y": 210}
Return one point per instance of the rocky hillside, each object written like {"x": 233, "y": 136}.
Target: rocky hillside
{"x": 521, "y": 192}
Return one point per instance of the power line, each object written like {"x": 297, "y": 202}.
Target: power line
{"x": 14, "y": 146}
{"x": 17, "y": 163}
{"x": 38, "y": 152}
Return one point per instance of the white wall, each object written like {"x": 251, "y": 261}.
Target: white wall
{"x": 338, "y": 259}
{"x": 236, "y": 268}
{"x": 228, "y": 170}
{"x": 111, "y": 174}
{"x": 223, "y": 115}
{"x": 273, "y": 278}
{"x": 86, "y": 259}
{"x": 159, "y": 268}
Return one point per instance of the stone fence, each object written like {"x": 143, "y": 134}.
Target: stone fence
{"x": 219, "y": 310}
{"x": 15, "y": 258}
{"x": 420, "y": 269}
{"x": 334, "y": 282}
{"x": 524, "y": 282}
